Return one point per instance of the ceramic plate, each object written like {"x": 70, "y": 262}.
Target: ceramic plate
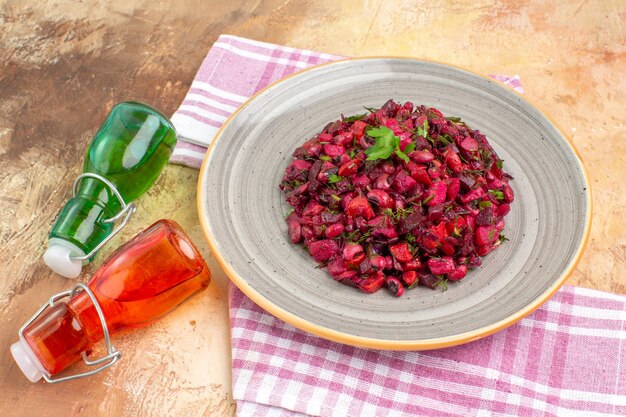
{"x": 242, "y": 209}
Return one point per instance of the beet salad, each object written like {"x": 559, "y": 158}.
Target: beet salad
{"x": 397, "y": 197}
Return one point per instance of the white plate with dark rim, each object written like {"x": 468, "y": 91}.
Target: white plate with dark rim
{"x": 242, "y": 209}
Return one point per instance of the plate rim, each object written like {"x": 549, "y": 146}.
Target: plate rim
{"x": 375, "y": 343}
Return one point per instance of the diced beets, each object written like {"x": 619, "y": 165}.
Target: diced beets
{"x": 307, "y": 233}
{"x": 473, "y": 212}
{"x": 403, "y": 183}
{"x": 467, "y": 182}
{"x": 323, "y": 250}
{"x": 356, "y": 261}
{"x": 395, "y": 286}
{"x": 378, "y": 262}
{"x": 334, "y": 230}
{"x": 455, "y": 226}
{"x": 483, "y": 250}
{"x": 333, "y": 150}
{"x": 301, "y": 164}
{"x": 312, "y": 148}
{"x": 388, "y": 232}
{"x": 358, "y": 127}
{"x": 453, "y": 161}
{"x": 508, "y": 193}
{"x": 342, "y": 159}
{"x": 405, "y": 140}
{"x": 458, "y": 274}
{"x": 380, "y": 198}
{"x": 422, "y": 157}
{"x": 486, "y": 235}
{"x": 412, "y": 265}
{"x": 325, "y": 137}
{"x": 497, "y": 172}
{"x": 485, "y": 217}
{"x": 409, "y": 278}
{"x": 503, "y": 209}
{"x": 447, "y": 248}
{"x": 420, "y": 175}
{"x": 429, "y": 242}
{"x": 359, "y": 206}
{"x": 471, "y": 222}
{"x": 347, "y": 278}
{"x": 428, "y": 280}
{"x": 295, "y": 229}
{"x": 436, "y": 194}
{"x": 454, "y": 186}
{"x": 372, "y": 283}
{"x": 344, "y": 139}
{"x": 494, "y": 184}
{"x": 352, "y": 250}
{"x": 312, "y": 209}
{"x": 474, "y": 194}
{"x": 409, "y": 223}
{"x": 382, "y": 182}
{"x": 337, "y": 266}
{"x": 328, "y": 217}
{"x": 361, "y": 181}
{"x": 440, "y": 266}
{"x": 469, "y": 145}
{"x": 435, "y": 170}
{"x": 437, "y": 201}
{"x": 349, "y": 168}
{"x": 388, "y": 262}
{"x": 439, "y": 230}
{"x": 388, "y": 168}
{"x": 401, "y": 252}
{"x": 318, "y": 230}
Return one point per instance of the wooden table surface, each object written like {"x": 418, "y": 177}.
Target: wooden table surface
{"x": 64, "y": 63}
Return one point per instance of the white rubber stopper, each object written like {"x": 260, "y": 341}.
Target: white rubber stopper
{"x": 26, "y": 360}
{"x": 57, "y": 257}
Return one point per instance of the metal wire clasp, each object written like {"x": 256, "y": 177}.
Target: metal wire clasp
{"x": 113, "y": 355}
{"x": 126, "y": 211}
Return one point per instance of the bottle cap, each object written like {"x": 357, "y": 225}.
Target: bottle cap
{"x": 58, "y": 257}
{"x": 27, "y": 361}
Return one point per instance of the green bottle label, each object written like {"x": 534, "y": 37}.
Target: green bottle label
{"x": 130, "y": 149}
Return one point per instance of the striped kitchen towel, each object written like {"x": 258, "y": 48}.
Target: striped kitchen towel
{"x": 234, "y": 69}
{"x": 566, "y": 359}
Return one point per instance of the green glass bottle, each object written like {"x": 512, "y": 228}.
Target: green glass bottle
{"x": 129, "y": 151}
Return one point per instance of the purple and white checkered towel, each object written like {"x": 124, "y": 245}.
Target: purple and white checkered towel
{"x": 566, "y": 359}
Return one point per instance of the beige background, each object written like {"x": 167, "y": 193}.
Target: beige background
{"x": 64, "y": 63}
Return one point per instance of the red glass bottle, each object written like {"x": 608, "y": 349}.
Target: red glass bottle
{"x": 143, "y": 280}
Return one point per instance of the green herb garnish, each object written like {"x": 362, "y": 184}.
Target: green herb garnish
{"x": 442, "y": 283}
{"x": 422, "y": 130}
{"x": 427, "y": 199}
{"x": 334, "y": 178}
{"x": 370, "y": 109}
{"x": 386, "y": 144}
{"x": 454, "y": 119}
{"x": 445, "y": 139}
{"x": 499, "y": 195}
{"x": 354, "y": 118}
{"x": 325, "y": 158}
{"x": 484, "y": 204}
{"x": 499, "y": 163}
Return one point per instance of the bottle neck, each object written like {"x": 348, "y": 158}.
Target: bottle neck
{"x": 81, "y": 222}
{"x": 57, "y": 338}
